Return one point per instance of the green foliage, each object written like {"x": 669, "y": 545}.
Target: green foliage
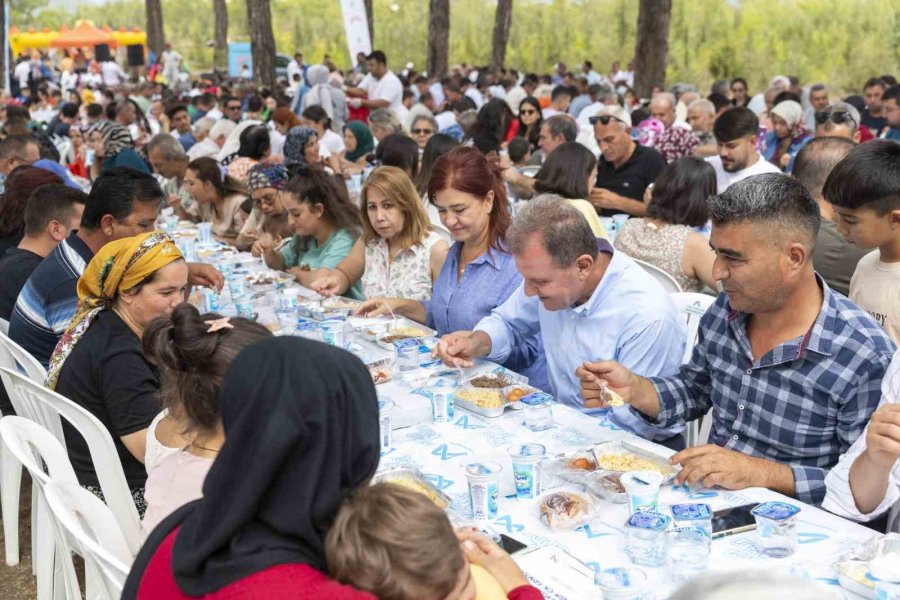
{"x": 839, "y": 41}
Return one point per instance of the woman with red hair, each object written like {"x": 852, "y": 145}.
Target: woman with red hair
{"x": 479, "y": 273}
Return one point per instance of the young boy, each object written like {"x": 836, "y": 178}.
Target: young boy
{"x": 865, "y": 191}
{"x": 519, "y": 152}
{"x": 396, "y": 544}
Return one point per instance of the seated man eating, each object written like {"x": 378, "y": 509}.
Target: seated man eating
{"x": 586, "y": 301}
{"x": 791, "y": 370}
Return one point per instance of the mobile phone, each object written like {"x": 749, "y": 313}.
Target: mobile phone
{"x": 733, "y": 520}
{"x": 510, "y": 545}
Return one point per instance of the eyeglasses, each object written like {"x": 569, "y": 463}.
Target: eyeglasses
{"x": 605, "y": 119}
{"x": 422, "y": 131}
{"x": 528, "y": 112}
{"x": 268, "y": 200}
{"x": 836, "y": 117}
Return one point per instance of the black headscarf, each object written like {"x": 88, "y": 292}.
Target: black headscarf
{"x": 301, "y": 429}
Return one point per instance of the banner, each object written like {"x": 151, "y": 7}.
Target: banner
{"x": 240, "y": 59}
{"x": 356, "y": 27}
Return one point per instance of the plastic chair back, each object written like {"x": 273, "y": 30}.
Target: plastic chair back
{"x": 667, "y": 281}
{"x": 91, "y": 527}
{"x": 692, "y": 307}
{"x": 100, "y": 445}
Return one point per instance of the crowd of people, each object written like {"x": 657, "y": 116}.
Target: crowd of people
{"x": 493, "y": 208}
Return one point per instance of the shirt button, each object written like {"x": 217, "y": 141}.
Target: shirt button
{"x": 749, "y": 371}
{"x": 740, "y": 407}
{"x": 734, "y": 437}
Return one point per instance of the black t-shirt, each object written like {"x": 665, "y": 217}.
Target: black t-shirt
{"x": 106, "y": 373}
{"x": 875, "y": 124}
{"x": 15, "y": 267}
{"x": 631, "y": 179}
{"x": 12, "y": 240}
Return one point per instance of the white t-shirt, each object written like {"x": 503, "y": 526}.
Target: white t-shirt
{"x": 171, "y": 61}
{"x": 514, "y": 98}
{"x": 476, "y": 97}
{"x": 332, "y": 142}
{"x": 549, "y": 112}
{"x": 725, "y": 179}
{"x": 387, "y": 88}
{"x": 112, "y": 73}
{"x": 23, "y": 69}
{"x": 875, "y": 288}
{"x": 445, "y": 120}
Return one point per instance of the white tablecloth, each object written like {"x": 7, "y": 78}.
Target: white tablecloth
{"x": 441, "y": 451}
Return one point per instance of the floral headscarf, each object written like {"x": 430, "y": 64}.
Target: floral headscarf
{"x": 295, "y": 145}
{"x": 118, "y": 266}
{"x": 266, "y": 175}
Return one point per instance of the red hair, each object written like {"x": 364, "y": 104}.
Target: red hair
{"x": 465, "y": 169}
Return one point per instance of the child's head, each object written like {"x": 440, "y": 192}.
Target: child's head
{"x": 396, "y": 544}
{"x": 519, "y": 150}
{"x": 864, "y": 189}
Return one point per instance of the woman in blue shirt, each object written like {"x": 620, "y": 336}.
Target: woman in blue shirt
{"x": 479, "y": 274}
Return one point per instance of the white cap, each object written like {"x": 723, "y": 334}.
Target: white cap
{"x": 616, "y": 112}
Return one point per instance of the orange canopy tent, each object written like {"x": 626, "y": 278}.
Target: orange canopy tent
{"x": 83, "y": 34}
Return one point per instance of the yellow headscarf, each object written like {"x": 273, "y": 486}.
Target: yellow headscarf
{"x": 117, "y": 267}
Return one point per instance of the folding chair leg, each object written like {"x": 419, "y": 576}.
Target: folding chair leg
{"x": 10, "y": 490}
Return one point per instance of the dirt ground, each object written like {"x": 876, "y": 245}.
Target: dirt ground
{"x": 16, "y": 583}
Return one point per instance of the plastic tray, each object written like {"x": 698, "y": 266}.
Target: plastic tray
{"x": 623, "y": 448}
{"x": 402, "y": 474}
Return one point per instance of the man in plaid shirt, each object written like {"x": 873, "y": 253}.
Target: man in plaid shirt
{"x": 791, "y": 370}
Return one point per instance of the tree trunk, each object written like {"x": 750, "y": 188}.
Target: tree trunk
{"x": 220, "y": 57}
{"x": 262, "y": 42}
{"x": 370, "y": 12}
{"x": 502, "y": 23}
{"x": 438, "y": 37}
{"x": 155, "y": 36}
{"x": 652, "y": 45}
{"x": 4, "y": 57}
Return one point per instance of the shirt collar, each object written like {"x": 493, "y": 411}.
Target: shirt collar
{"x": 492, "y": 257}
{"x": 77, "y": 244}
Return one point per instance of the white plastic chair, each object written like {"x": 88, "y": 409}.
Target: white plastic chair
{"x": 93, "y": 532}
{"x": 37, "y": 450}
{"x": 4, "y": 326}
{"x": 692, "y": 307}
{"x": 668, "y": 282}
{"x": 100, "y": 445}
{"x": 13, "y": 356}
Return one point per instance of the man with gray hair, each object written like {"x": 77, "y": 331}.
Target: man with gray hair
{"x": 791, "y": 370}
{"x": 840, "y": 119}
{"x": 834, "y": 258}
{"x": 818, "y": 101}
{"x": 585, "y": 300}
{"x": 701, "y": 116}
{"x": 555, "y": 131}
{"x": 169, "y": 161}
{"x": 677, "y": 140}
{"x": 205, "y": 145}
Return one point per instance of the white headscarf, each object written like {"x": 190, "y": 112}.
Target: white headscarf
{"x": 233, "y": 141}
{"x": 790, "y": 111}
{"x": 320, "y": 94}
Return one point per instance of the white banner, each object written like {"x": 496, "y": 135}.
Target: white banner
{"x": 356, "y": 28}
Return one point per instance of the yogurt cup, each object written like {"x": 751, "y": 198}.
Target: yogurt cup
{"x": 484, "y": 489}
{"x": 527, "y": 466}
{"x": 244, "y": 307}
{"x": 210, "y": 300}
{"x": 204, "y": 233}
{"x": 385, "y": 407}
{"x": 642, "y": 488}
{"x": 441, "y": 400}
{"x": 334, "y": 332}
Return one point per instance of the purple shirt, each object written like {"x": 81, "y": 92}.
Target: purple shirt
{"x": 486, "y": 283}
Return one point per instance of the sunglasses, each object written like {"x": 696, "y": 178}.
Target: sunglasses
{"x": 422, "y": 131}
{"x": 835, "y": 117}
{"x": 238, "y": 107}
{"x": 604, "y": 119}
{"x": 527, "y": 112}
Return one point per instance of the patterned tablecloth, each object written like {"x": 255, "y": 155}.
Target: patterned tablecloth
{"x": 563, "y": 564}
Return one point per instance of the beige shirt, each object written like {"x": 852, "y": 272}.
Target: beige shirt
{"x": 229, "y": 223}
{"x": 875, "y": 287}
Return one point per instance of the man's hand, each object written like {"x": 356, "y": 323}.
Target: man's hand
{"x": 883, "y": 436}
{"x": 618, "y": 379}
{"x": 458, "y": 349}
{"x": 205, "y": 275}
{"x": 603, "y": 198}
{"x": 710, "y": 465}
{"x": 482, "y": 551}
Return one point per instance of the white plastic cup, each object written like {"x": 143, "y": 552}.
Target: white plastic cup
{"x": 335, "y": 333}
{"x": 642, "y": 488}
{"x": 527, "y": 466}
{"x": 484, "y": 489}
{"x": 621, "y": 583}
{"x": 204, "y": 234}
{"x": 244, "y": 307}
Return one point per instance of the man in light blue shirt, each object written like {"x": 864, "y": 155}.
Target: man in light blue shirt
{"x": 585, "y": 301}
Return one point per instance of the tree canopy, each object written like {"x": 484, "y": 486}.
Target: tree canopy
{"x": 838, "y": 41}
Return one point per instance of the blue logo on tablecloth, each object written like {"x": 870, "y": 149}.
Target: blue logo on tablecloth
{"x": 438, "y": 481}
{"x": 422, "y": 434}
{"x": 694, "y": 494}
{"x": 506, "y": 521}
{"x": 463, "y": 421}
{"x": 590, "y": 532}
{"x": 811, "y": 538}
{"x": 450, "y": 451}
{"x": 593, "y": 566}
{"x": 571, "y": 436}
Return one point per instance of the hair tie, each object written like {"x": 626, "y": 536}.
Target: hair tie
{"x": 223, "y": 172}
{"x": 219, "y": 324}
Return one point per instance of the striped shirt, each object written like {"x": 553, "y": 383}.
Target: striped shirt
{"x": 803, "y": 403}
{"x": 47, "y": 303}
